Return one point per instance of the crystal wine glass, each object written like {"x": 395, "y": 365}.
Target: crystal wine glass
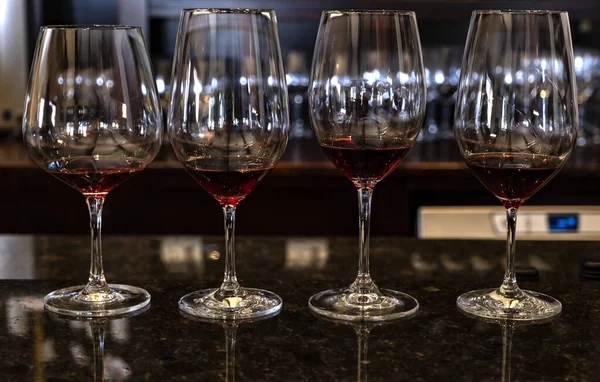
{"x": 516, "y": 124}
{"x": 367, "y": 103}
{"x": 228, "y": 125}
{"x": 92, "y": 119}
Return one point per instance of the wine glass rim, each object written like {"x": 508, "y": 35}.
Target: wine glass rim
{"x": 238, "y": 11}
{"x": 519, "y": 11}
{"x": 91, "y": 27}
{"x": 369, "y": 12}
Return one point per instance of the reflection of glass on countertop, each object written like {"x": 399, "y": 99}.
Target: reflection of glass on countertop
{"x": 105, "y": 365}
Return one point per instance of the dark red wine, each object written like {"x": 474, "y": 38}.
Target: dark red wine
{"x": 513, "y": 178}
{"x": 364, "y": 163}
{"x": 93, "y": 176}
{"x": 229, "y": 186}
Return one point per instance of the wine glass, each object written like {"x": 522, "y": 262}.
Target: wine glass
{"x": 367, "y": 104}
{"x": 92, "y": 119}
{"x": 228, "y": 125}
{"x": 516, "y": 124}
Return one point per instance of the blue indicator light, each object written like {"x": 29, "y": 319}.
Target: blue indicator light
{"x": 563, "y": 223}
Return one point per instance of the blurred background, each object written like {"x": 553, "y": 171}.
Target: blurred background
{"x": 304, "y": 194}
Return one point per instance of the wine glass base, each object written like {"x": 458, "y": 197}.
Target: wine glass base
{"x": 122, "y": 299}
{"x": 255, "y": 303}
{"x": 343, "y": 304}
{"x": 488, "y": 303}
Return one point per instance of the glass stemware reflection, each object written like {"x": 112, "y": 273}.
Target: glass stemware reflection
{"x": 230, "y": 328}
{"x": 228, "y": 124}
{"x": 516, "y": 124}
{"x": 508, "y": 328}
{"x": 363, "y": 331}
{"x": 92, "y": 119}
{"x": 367, "y": 104}
{"x": 109, "y": 368}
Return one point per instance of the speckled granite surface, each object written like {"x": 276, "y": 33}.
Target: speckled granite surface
{"x": 437, "y": 344}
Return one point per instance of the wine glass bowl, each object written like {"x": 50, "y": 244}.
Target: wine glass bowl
{"x": 228, "y": 125}
{"x": 367, "y": 103}
{"x": 516, "y": 124}
{"x": 92, "y": 119}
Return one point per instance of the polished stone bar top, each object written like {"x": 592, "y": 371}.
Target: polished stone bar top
{"x": 159, "y": 344}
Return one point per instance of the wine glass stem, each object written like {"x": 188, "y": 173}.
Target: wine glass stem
{"x": 509, "y": 286}
{"x": 363, "y": 283}
{"x": 97, "y": 282}
{"x": 230, "y": 286}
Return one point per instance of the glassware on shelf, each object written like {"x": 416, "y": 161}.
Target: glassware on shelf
{"x": 587, "y": 74}
{"x": 228, "y": 125}
{"x": 367, "y": 104}
{"x": 516, "y": 124}
{"x": 297, "y": 77}
{"x": 442, "y": 72}
{"x": 92, "y": 119}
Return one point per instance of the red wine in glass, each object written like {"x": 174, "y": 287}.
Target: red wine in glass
{"x": 94, "y": 176}
{"x": 514, "y": 178}
{"x": 229, "y": 184}
{"x": 366, "y": 161}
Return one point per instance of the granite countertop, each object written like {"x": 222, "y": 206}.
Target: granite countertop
{"x": 159, "y": 344}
